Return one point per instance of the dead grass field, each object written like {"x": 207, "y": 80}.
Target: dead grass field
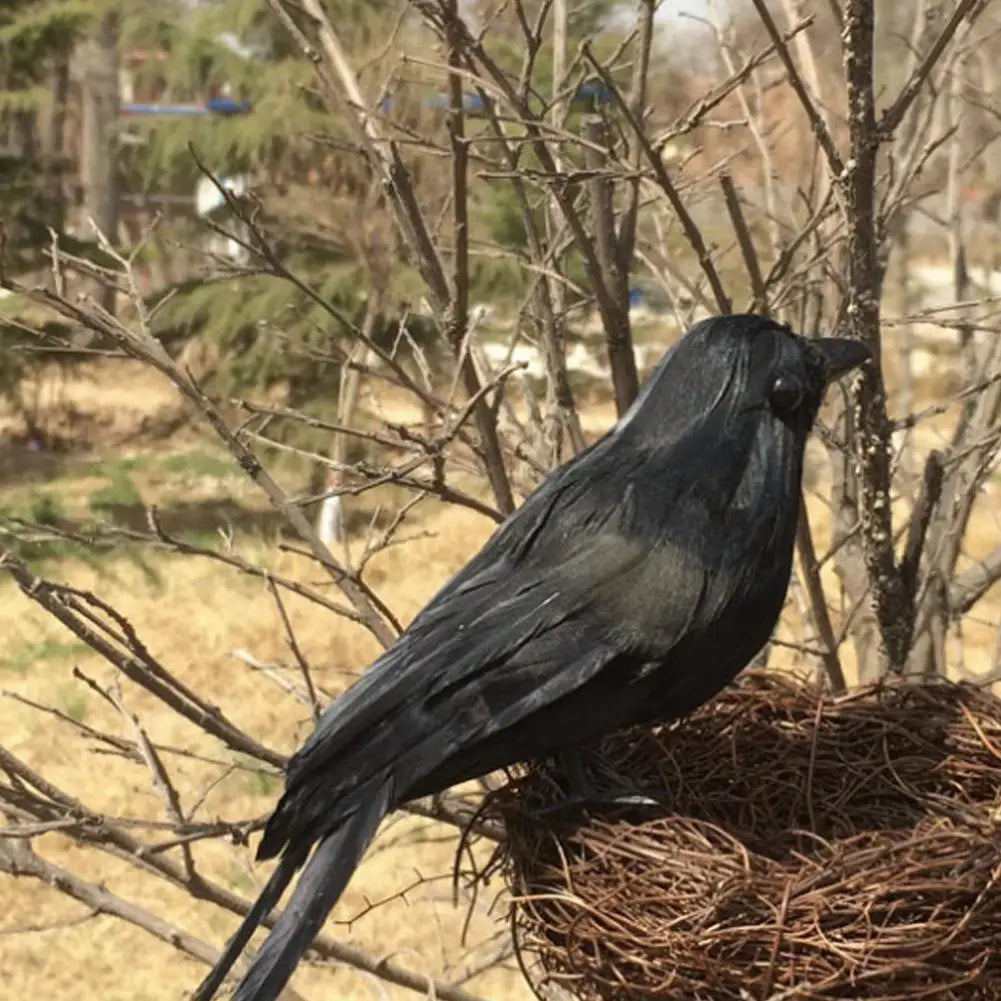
{"x": 193, "y": 614}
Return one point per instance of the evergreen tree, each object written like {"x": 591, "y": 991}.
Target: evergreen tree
{"x": 313, "y": 197}
{"x": 36, "y": 40}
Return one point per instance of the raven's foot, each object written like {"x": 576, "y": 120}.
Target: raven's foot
{"x": 581, "y": 793}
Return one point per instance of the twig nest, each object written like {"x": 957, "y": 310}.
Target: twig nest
{"x": 806, "y": 847}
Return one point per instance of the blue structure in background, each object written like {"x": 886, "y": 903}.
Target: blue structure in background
{"x": 213, "y": 106}
{"x": 592, "y": 92}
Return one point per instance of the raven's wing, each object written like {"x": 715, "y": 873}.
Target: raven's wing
{"x": 522, "y": 626}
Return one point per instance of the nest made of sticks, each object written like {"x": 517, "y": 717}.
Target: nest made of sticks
{"x": 806, "y": 847}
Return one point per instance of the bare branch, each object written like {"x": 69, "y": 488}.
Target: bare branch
{"x": 50, "y": 802}
{"x": 810, "y": 569}
{"x": 618, "y": 338}
{"x": 893, "y": 115}
{"x": 893, "y": 610}
{"x": 143, "y": 346}
{"x": 759, "y": 304}
{"x": 135, "y": 662}
{"x": 293, "y": 645}
{"x": 971, "y": 585}
{"x": 924, "y": 509}
{"x": 656, "y": 162}
{"x": 385, "y": 158}
{"x": 817, "y": 122}
{"x": 17, "y": 858}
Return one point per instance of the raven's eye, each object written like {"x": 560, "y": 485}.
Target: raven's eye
{"x": 786, "y": 394}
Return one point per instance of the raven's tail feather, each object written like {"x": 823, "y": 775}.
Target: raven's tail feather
{"x": 263, "y": 906}
{"x": 322, "y": 882}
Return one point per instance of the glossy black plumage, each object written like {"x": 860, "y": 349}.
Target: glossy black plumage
{"x": 634, "y": 584}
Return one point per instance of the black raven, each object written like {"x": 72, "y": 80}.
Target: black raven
{"x": 635, "y": 583}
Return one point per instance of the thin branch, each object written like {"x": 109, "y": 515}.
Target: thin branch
{"x": 50, "y": 802}
{"x": 894, "y": 612}
{"x": 19, "y": 859}
{"x": 626, "y": 242}
{"x": 759, "y": 303}
{"x": 137, "y": 664}
{"x": 810, "y": 570}
{"x": 696, "y": 114}
{"x": 143, "y": 346}
{"x": 921, "y": 516}
{"x": 618, "y": 336}
{"x": 293, "y": 645}
{"x": 385, "y": 159}
{"x": 971, "y": 585}
{"x": 656, "y": 162}
{"x": 893, "y": 115}
{"x": 817, "y": 123}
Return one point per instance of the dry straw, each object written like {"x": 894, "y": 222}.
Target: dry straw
{"x": 806, "y": 848}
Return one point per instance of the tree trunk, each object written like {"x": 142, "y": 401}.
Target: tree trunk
{"x": 54, "y": 145}
{"x": 99, "y": 156}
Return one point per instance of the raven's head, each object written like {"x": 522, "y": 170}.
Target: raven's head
{"x": 783, "y": 374}
{"x": 727, "y": 412}
{"x": 737, "y": 369}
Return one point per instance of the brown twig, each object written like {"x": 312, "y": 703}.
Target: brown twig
{"x": 817, "y": 122}
{"x": 759, "y": 303}
{"x": 893, "y": 610}
{"x": 293, "y": 645}
{"x": 921, "y": 516}
{"x": 971, "y": 585}
{"x": 68, "y": 605}
{"x": 614, "y": 266}
{"x": 385, "y": 159}
{"x": 143, "y": 346}
{"x": 893, "y": 115}
{"x": 48, "y": 802}
{"x": 810, "y": 570}
{"x": 663, "y": 179}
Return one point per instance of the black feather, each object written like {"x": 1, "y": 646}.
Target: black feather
{"x": 321, "y": 883}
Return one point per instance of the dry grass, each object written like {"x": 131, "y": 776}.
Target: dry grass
{"x": 193, "y": 614}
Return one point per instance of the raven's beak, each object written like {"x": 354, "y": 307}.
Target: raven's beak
{"x": 841, "y": 355}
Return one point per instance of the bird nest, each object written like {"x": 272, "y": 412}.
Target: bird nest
{"x": 806, "y": 847}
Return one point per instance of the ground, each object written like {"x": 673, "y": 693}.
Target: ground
{"x": 194, "y": 613}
